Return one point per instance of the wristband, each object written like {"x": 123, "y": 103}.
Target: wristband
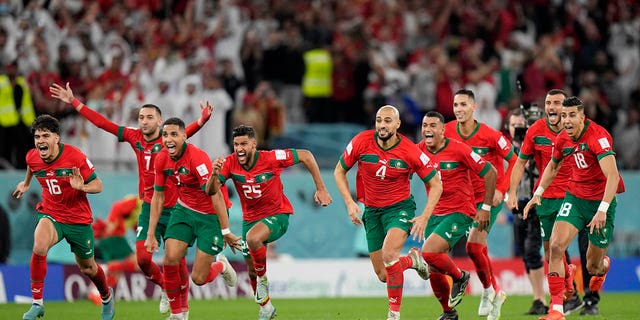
{"x": 485, "y": 207}
{"x": 225, "y": 231}
{"x": 604, "y": 206}
{"x": 539, "y": 191}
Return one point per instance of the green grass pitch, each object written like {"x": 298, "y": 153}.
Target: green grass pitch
{"x": 612, "y": 307}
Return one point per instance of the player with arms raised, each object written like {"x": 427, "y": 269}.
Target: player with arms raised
{"x": 146, "y": 142}
{"x": 385, "y": 161}
{"x": 589, "y": 202}
{"x": 494, "y": 148}
{"x": 66, "y": 176}
{"x": 265, "y": 208}
{"x": 455, "y": 212}
{"x": 196, "y": 216}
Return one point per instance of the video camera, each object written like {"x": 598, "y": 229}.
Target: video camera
{"x": 531, "y": 114}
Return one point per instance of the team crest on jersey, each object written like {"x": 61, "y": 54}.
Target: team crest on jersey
{"x": 183, "y": 170}
{"x": 156, "y": 148}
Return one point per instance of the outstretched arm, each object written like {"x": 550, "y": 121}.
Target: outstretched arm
{"x": 193, "y": 127}
{"x": 340, "y": 175}
{"x": 66, "y": 95}
{"x": 321, "y": 196}
{"x": 23, "y": 186}
{"x": 610, "y": 171}
{"x": 214, "y": 183}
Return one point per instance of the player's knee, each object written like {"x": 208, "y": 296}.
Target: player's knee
{"x": 594, "y": 267}
{"x": 254, "y": 243}
{"x": 88, "y": 270}
{"x": 199, "y": 279}
{"x": 556, "y": 250}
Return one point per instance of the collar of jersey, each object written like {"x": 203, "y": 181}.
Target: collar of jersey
{"x": 60, "y": 148}
{"x": 375, "y": 137}
{"x": 470, "y": 134}
{"x": 184, "y": 147}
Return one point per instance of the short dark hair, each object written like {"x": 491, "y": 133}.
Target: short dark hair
{"x": 243, "y": 130}
{"x": 466, "y": 92}
{"x": 45, "y": 122}
{"x": 174, "y": 121}
{"x": 573, "y": 101}
{"x": 152, "y": 106}
{"x": 553, "y": 92}
{"x": 435, "y": 114}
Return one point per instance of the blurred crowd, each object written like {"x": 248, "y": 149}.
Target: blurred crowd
{"x": 269, "y": 63}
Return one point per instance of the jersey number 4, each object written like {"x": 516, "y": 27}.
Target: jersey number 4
{"x": 381, "y": 172}
{"x": 251, "y": 191}
{"x": 53, "y": 186}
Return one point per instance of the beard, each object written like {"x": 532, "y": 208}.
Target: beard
{"x": 385, "y": 139}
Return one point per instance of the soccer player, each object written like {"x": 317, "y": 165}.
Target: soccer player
{"x": 146, "y": 142}
{"x": 589, "y": 201}
{"x": 538, "y": 145}
{"x": 66, "y": 176}
{"x": 196, "y": 216}
{"x": 494, "y": 148}
{"x": 113, "y": 245}
{"x": 455, "y": 212}
{"x": 386, "y": 160}
{"x": 265, "y": 208}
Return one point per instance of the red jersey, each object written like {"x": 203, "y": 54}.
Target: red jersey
{"x": 456, "y": 163}
{"x": 59, "y": 199}
{"x": 538, "y": 144}
{"x": 146, "y": 151}
{"x": 190, "y": 172}
{"x": 260, "y": 188}
{"x": 124, "y": 213}
{"x": 587, "y": 180}
{"x": 492, "y": 146}
{"x": 385, "y": 173}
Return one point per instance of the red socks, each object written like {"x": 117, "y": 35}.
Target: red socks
{"x": 38, "y": 271}
{"x": 184, "y": 284}
{"x": 443, "y": 263}
{"x": 259, "y": 260}
{"x": 122, "y": 266}
{"x": 172, "y": 287}
{"x": 494, "y": 282}
{"x": 556, "y": 289}
{"x": 441, "y": 289}
{"x": 481, "y": 262}
{"x": 100, "y": 281}
{"x": 214, "y": 271}
{"x": 147, "y": 266}
{"x": 395, "y": 280}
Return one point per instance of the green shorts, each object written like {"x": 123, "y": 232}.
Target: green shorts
{"x": 378, "y": 221}
{"x": 579, "y": 213}
{"x": 114, "y": 248}
{"x": 143, "y": 223}
{"x": 495, "y": 211}
{"x": 187, "y": 225}
{"x": 278, "y": 224}
{"x": 450, "y": 227}
{"x": 79, "y": 236}
{"x": 547, "y": 212}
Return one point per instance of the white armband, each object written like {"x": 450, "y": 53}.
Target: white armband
{"x": 226, "y": 231}
{"x": 539, "y": 191}
{"x": 604, "y": 206}
{"x": 486, "y": 207}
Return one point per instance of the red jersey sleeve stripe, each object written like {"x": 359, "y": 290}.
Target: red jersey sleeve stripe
{"x": 555, "y": 160}
{"x": 343, "y": 164}
{"x": 294, "y": 152}
{"x": 509, "y": 155}
{"x": 222, "y": 178}
{"x": 602, "y": 155}
{"x": 92, "y": 177}
{"x": 158, "y": 188}
{"x": 525, "y": 156}
{"x": 429, "y": 176}
{"x": 121, "y": 134}
{"x": 484, "y": 170}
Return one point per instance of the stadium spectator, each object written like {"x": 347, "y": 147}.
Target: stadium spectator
{"x": 16, "y": 115}
{"x": 494, "y": 148}
{"x": 591, "y": 197}
{"x": 455, "y": 211}
{"x": 196, "y": 216}
{"x": 385, "y": 161}
{"x": 265, "y": 208}
{"x": 64, "y": 212}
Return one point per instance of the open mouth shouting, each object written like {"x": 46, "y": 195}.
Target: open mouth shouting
{"x": 428, "y": 138}
{"x": 43, "y": 149}
{"x": 242, "y": 157}
{"x": 171, "y": 148}
{"x": 554, "y": 118}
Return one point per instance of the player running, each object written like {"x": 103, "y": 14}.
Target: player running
{"x": 494, "y": 148}
{"x": 66, "y": 176}
{"x": 196, "y": 216}
{"x": 385, "y": 161}
{"x": 265, "y": 208}
{"x": 589, "y": 201}
{"x": 455, "y": 212}
{"x": 146, "y": 142}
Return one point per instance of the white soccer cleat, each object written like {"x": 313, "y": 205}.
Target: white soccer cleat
{"x": 176, "y": 317}
{"x": 228, "y": 273}
{"x": 418, "y": 263}
{"x": 262, "y": 290}
{"x": 268, "y": 314}
{"x": 185, "y": 315}
{"x": 486, "y": 301}
{"x": 164, "y": 303}
{"x": 393, "y": 315}
{"x": 498, "y": 301}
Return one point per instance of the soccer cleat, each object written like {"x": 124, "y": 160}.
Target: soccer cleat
{"x": 553, "y": 315}
{"x": 572, "y": 305}
{"x": 486, "y": 301}
{"x": 185, "y": 315}
{"x": 449, "y": 315}
{"x": 109, "y": 308}
{"x": 268, "y": 314}
{"x": 590, "y": 310}
{"x": 176, "y": 317}
{"x": 498, "y": 301}
{"x": 596, "y": 281}
{"x": 36, "y": 311}
{"x": 569, "y": 290}
{"x": 538, "y": 308}
{"x": 418, "y": 263}
{"x": 95, "y": 298}
{"x": 262, "y": 290}
{"x": 458, "y": 288}
{"x": 393, "y": 315}
{"x": 164, "y": 303}
{"x": 229, "y": 275}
